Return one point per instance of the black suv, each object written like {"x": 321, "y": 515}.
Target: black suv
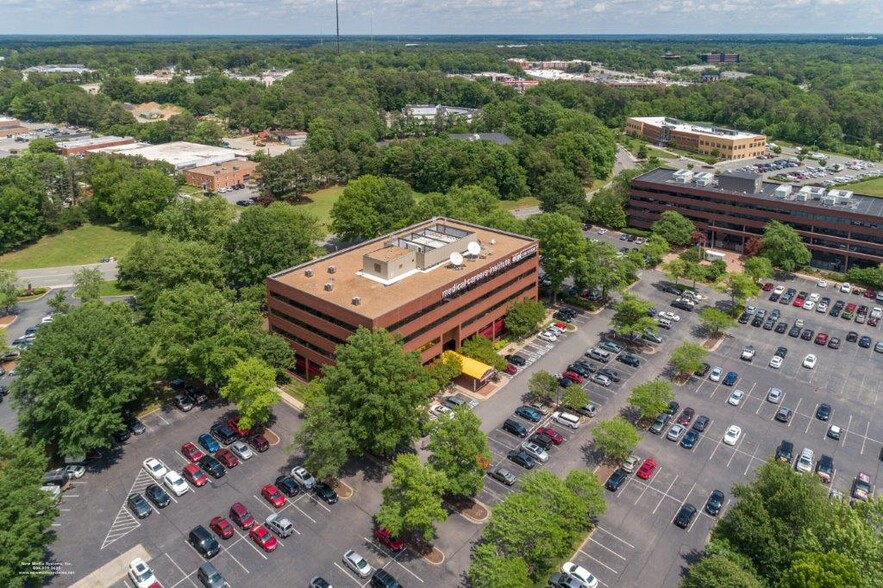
{"x": 157, "y": 495}
{"x": 824, "y": 412}
{"x": 223, "y": 433}
{"x": 516, "y": 360}
{"x": 785, "y": 451}
{"x": 288, "y": 485}
{"x": 616, "y": 480}
{"x": 515, "y": 428}
{"x": 542, "y": 440}
{"x": 204, "y": 542}
{"x": 212, "y": 466}
{"x": 383, "y": 579}
{"x": 685, "y": 516}
{"x": 714, "y": 503}
{"x": 139, "y": 506}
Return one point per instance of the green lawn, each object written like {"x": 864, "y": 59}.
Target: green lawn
{"x": 320, "y": 203}
{"x": 525, "y": 202}
{"x": 659, "y": 153}
{"x": 86, "y": 244}
{"x": 872, "y": 187}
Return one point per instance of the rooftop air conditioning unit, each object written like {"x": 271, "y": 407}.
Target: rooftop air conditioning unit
{"x": 356, "y": 301}
{"x": 308, "y": 273}
{"x": 331, "y": 269}
{"x": 329, "y": 286}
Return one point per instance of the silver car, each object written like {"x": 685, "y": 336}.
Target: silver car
{"x": 774, "y": 395}
{"x": 601, "y": 379}
{"x": 357, "y": 564}
{"x": 279, "y": 525}
{"x": 535, "y": 451}
{"x": 242, "y": 450}
{"x": 675, "y": 432}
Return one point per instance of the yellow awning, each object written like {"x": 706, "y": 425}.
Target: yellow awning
{"x": 474, "y": 368}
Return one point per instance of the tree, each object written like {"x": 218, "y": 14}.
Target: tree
{"x": 715, "y": 321}
{"x": 75, "y": 406}
{"x": 87, "y": 282}
{"x": 27, "y": 511}
{"x": 58, "y": 302}
{"x": 560, "y": 188}
{"x": 42, "y": 145}
{"x": 719, "y": 571}
{"x": 674, "y": 228}
{"x": 632, "y": 316}
{"x": 413, "y": 500}
{"x": 872, "y": 277}
{"x": 593, "y": 498}
{"x": 574, "y": 397}
{"x": 654, "y": 250}
{"x": 489, "y": 569}
{"x": 482, "y": 349}
{"x": 742, "y": 287}
{"x": 606, "y": 208}
{"x": 561, "y": 242}
{"x": 524, "y": 316}
{"x": 371, "y": 206}
{"x": 324, "y": 438}
{"x": 600, "y": 268}
{"x": 251, "y": 385}
{"x": 138, "y": 200}
{"x": 381, "y": 390}
{"x": 8, "y": 289}
{"x": 642, "y": 151}
{"x": 676, "y": 269}
{"x": 822, "y": 570}
{"x": 288, "y": 175}
{"x": 687, "y": 357}
{"x": 753, "y": 246}
{"x": 695, "y": 272}
{"x": 459, "y": 449}
{"x": 444, "y": 369}
{"x": 784, "y": 247}
{"x": 267, "y": 240}
{"x": 616, "y": 438}
{"x": 543, "y": 386}
{"x": 651, "y": 398}
{"x": 758, "y": 268}
{"x": 197, "y": 220}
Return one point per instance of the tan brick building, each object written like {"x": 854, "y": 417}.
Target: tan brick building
{"x": 220, "y": 175}
{"x": 725, "y": 143}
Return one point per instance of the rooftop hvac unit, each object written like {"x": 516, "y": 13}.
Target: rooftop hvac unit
{"x": 802, "y": 196}
{"x": 331, "y": 269}
{"x": 682, "y": 176}
{"x": 308, "y": 273}
{"x": 329, "y": 286}
{"x": 356, "y": 301}
{"x": 783, "y": 191}
{"x": 703, "y": 179}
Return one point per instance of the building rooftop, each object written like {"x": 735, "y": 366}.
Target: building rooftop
{"x": 428, "y": 247}
{"x": 181, "y": 154}
{"x": 856, "y": 203}
{"x": 220, "y": 168}
{"x": 678, "y": 125}
{"x": 87, "y": 142}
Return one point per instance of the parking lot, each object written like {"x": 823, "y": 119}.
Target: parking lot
{"x": 96, "y": 525}
{"x": 637, "y": 540}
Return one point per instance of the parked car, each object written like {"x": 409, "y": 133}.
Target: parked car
{"x": 273, "y": 495}
{"x": 736, "y": 397}
{"x": 731, "y": 378}
{"x": 715, "y": 503}
{"x": 212, "y": 466}
{"x": 208, "y": 443}
{"x": 157, "y": 495}
{"x": 783, "y": 415}
{"x": 155, "y": 468}
{"x": 554, "y": 435}
{"x": 279, "y": 525}
{"x": 785, "y": 451}
{"x": 263, "y": 538}
{"x": 222, "y": 527}
{"x": 191, "y": 452}
{"x": 194, "y": 475}
{"x": 240, "y": 515}
{"x": 325, "y": 492}
{"x": 616, "y": 480}
{"x": 529, "y": 413}
{"x": 732, "y": 435}
{"x": 521, "y": 458}
{"x": 176, "y": 483}
{"x": 138, "y": 505}
{"x": 388, "y": 540}
{"x": 242, "y": 450}
{"x": 647, "y": 468}
{"x": 503, "y": 476}
{"x": 701, "y": 423}
{"x": 140, "y": 574}
{"x": 581, "y": 573}
{"x": 303, "y": 477}
{"x": 226, "y": 457}
{"x": 685, "y": 516}
{"x": 514, "y": 427}
{"x": 675, "y": 432}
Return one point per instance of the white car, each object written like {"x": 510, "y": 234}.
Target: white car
{"x": 774, "y": 395}
{"x": 140, "y": 573}
{"x": 809, "y": 361}
{"x": 242, "y": 450}
{"x": 779, "y": 290}
{"x": 577, "y": 571}
{"x": 441, "y": 410}
{"x": 303, "y": 477}
{"x": 731, "y": 437}
{"x": 776, "y": 362}
{"x": 736, "y": 397}
{"x": 535, "y": 451}
{"x": 155, "y": 467}
{"x": 822, "y": 283}
{"x": 846, "y": 287}
{"x": 602, "y": 231}
{"x": 357, "y": 564}
{"x": 75, "y": 470}
{"x": 815, "y": 296}
{"x": 675, "y": 432}
{"x": 46, "y": 319}
{"x": 669, "y": 315}
{"x": 822, "y": 307}
{"x": 175, "y": 483}
{"x": 809, "y": 305}
{"x": 548, "y": 336}
{"x": 716, "y": 374}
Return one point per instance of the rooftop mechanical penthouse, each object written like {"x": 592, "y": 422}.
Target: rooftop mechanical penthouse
{"x": 435, "y": 283}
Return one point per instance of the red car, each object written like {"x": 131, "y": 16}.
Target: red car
{"x": 273, "y": 495}
{"x": 259, "y": 442}
{"x": 686, "y": 416}
{"x": 798, "y": 301}
{"x": 222, "y": 527}
{"x": 511, "y": 369}
{"x": 234, "y": 424}
{"x": 191, "y": 452}
{"x": 241, "y": 516}
{"x": 822, "y": 339}
{"x": 768, "y": 287}
{"x": 226, "y": 457}
{"x": 574, "y": 377}
{"x": 554, "y": 435}
{"x": 647, "y": 468}
{"x": 870, "y": 293}
{"x": 196, "y": 476}
{"x": 262, "y": 537}
{"x": 387, "y": 540}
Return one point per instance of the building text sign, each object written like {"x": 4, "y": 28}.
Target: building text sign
{"x": 489, "y": 272}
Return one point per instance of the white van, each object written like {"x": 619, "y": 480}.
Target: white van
{"x": 566, "y": 419}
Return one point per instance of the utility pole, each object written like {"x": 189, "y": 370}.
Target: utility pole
{"x": 337, "y": 20}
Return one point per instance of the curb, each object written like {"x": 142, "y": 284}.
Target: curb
{"x": 473, "y": 520}
{"x": 348, "y": 487}
{"x": 429, "y": 561}
{"x": 290, "y": 400}
{"x": 10, "y": 323}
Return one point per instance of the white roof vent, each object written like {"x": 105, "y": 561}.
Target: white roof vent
{"x": 331, "y": 269}
{"x": 329, "y": 286}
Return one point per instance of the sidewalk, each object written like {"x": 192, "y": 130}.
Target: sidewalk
{"x": 114, "y": 570}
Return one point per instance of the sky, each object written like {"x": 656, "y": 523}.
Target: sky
{"x": 391, "y": 17}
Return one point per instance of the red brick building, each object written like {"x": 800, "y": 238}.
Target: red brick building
{"x": 220, "y": 175}
{"x": 80, "y": 146}
{"x": 435, "y": 283}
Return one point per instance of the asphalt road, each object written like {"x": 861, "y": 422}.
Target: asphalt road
{"x": 63, "y": 277}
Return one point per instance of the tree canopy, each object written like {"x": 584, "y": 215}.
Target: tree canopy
{"x": 371, "y": 206}
{"x": 784, "y": 247}
{"x": 459, "y": 448}
{"x": 413, "y": 500}
{"x": 674, "y": 228}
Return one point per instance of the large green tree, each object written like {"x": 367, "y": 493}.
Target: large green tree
{"x": 459, "y": 449}
{"x": 561, "y": 242}
{"x": 267, "y": 240}
{"x": 381, "y": 390}
{"x": 324, "y": 437}
{"x": 8, "y": 289}
{"x": 371, "y": 206}
{"x": 784, "y": 247}
{"x": 719, "y": 571}
{"x": 88, "y": 281}
{"x": 674, "y": 228}
{"x": 490, "y": 569}
{"x": 543, "y": 386}
{"x": 687, "y": 357}
{"x": 616, "y": 438}
{"x": 482, "y": 349}
{"x": 560, "y": 188}
{"x": 26, "y": 510}
{"x": 822, "y": 570}
{"x": 741, "y": 287}
{"x": 139, "y": 199}
{"x": 524, "y": 316}
{"x": 632, "y": 316}
{"x": 606, "y": 208}
{"x": 289, "y": 175}
{"x": 413, "y": 500}
{"x": 78, "y": 376}
{"x": 715, "y": 321}
{"x": 651, "y": 398}
{"x": 758, "y": 268}
{"x": 189, "y": 219}
{"x": 251, "y": 386}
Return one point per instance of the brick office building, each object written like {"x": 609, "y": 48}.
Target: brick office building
{"x": 81, "y": 146}
{"x": 220, "y": 175}
{"x": 435, "y": 284}
{"x": 841, "y": 229}
{"x": 724, "y": 143}
{"x": 719, "y": 57}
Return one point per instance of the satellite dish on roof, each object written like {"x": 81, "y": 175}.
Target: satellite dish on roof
{"x": 456, "y": 258}
{"x": 473, "y": 248}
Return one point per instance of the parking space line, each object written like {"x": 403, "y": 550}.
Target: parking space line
{"x": 225, "y": 549}
{"x": 665, "y": 494}
{"x": 393, "y": 558}
{"x": 846, "y": 432}
{"x": 353, "y": 578}
{"x": 602, "y": 546}
{"x": 186, "y": 576}
{"x": 303, "y": 513}
{"x": 311, "y": 497}
{"x": 806, "y": 432}
{"x": 736, "y": 450}
{"x": 750, "y": 461}
{"x": 623, "y": 541}
{"x": 599, "y": 562}
{"x": 865, "y": 438}
{"x": 796, "y": 411}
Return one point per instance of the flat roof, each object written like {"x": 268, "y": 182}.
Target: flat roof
{"x": 679, "y": 125}
{"x": 210, "y": 170}
{"x": 378, "y": 299}
{"x": 859, "y": 204}
{"x": 92, "y": 141}
{"x": 181, "y": 154}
